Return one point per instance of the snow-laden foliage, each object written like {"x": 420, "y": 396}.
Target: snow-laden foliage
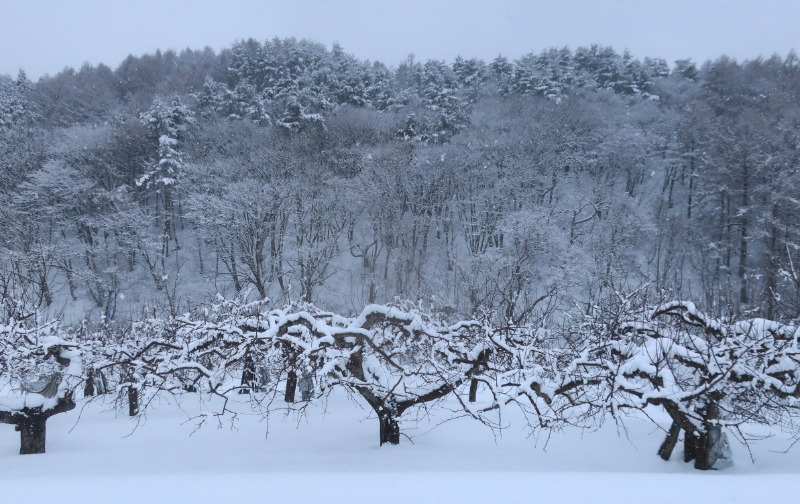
{"x": 41, "y": 363}
{"x": 169, "y": 123}
{"x": 707, "y": 374}
{"x": 711, "y": 376}
{"x": 394, "y": 357}
{"x": 182, "y": 175}
{"x": 14, "y": 101}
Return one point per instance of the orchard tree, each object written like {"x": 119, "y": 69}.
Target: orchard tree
{"x": 393, "y": 358}
{"x": 46, "y": 366}
{"x": 707, "y": 374}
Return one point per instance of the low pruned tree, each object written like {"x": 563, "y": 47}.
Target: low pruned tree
{"x": 707, "y": 374}
{"x": 394, "y": 358}
{"x": 46, "y": 365}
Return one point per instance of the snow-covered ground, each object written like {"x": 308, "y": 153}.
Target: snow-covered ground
{"x": 331, "y": 455}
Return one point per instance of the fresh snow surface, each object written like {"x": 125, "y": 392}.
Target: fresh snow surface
{"x": 330, "y": 454}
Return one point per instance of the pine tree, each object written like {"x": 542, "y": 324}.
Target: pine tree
{"x": 168, "y": 123}
{"x": 502, "y": 71}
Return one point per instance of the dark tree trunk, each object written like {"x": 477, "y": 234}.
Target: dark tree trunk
{"x": 133, "y": 401}
{"x": 291, "y": 386}
{"x": 100, "y": 383}
{"x": 704, "y": 460}
{"x": 708, "y": 445}
{"x": 690, "y": 443}
{"x": 477, "y": 368}
{"x": 698, "y": 446}
{"x": 248, "y": 376}
{"x": 390, "y": 428}
{"x": 32, "y": 432}
{"x": 668, "y": 446}
{"x": 88, "y": 388}
{"x": 473, "y": 390}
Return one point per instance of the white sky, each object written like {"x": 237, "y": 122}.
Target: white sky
{"x": 44, "y": 36}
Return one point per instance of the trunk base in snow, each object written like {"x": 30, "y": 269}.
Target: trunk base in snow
{"x": 291, "y": 386}
{"x": 390, "y": 429}
{"x": 32, "y": 434}
{"x": 133, "y": 401}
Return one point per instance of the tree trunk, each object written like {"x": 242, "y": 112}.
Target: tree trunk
{"x": 88, "y": 388}
{"x": 390, "y": 428}
{"x": 473, "y": 390}
{"x": 248, "y": 376}
{"x": 100, "y": 383}
{"x": 667, "y": 447}
{"x": 133, "y": 401}
{"x": 704, "y": 460}
{"x": 690, "y": 443}
{"x": 32, "y": 432}
{"x": 773, "y": 266}
{"x": 699, "y": 446}
{"x": 702, "y": 448}
{"x": 744, "y": 297}
{"x": 291, "y": 386}
{"x": 167, "y": 218}
{"x": 708, "y": 445}
{"x": 691, "y": 186}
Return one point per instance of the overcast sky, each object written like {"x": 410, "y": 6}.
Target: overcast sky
{"x": 44, "y": 36}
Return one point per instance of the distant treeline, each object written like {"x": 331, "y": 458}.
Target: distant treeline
{"x": 288, "y": 170}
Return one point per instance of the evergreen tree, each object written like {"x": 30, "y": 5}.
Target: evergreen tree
{"x": 168, "y": 123}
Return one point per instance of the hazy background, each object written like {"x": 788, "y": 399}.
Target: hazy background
{"x": 43, "y": 36}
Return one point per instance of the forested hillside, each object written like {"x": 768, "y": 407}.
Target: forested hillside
{"x": 509, "y": 190}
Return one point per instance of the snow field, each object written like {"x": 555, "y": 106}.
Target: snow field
{"x": 330, "y": 453}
